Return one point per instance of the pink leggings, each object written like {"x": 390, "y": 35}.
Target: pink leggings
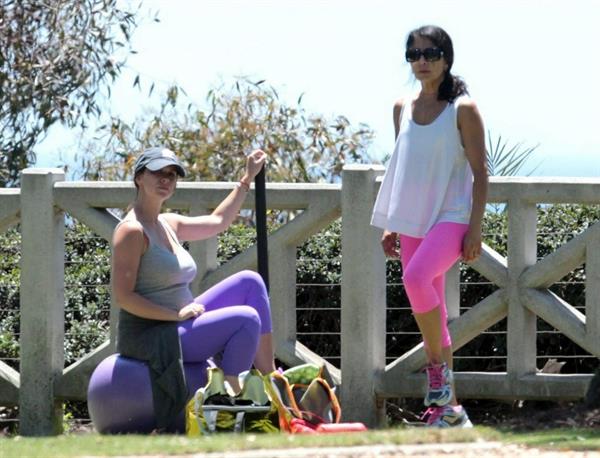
{"x": 424, "y": 264}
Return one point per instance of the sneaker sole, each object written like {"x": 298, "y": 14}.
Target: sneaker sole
{"x": 466, "y": 425}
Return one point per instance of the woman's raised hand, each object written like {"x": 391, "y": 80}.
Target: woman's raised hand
{"x": 190, "y": 311}
{"x": 254, "y": 163}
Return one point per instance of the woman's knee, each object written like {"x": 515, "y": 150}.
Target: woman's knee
{"x": 419, "y": 288}
{"x": 257, "y": 295}
{"x": 249, "y": 318}
{"x": 251, "y": 279}
{"x": 416, "y": 278}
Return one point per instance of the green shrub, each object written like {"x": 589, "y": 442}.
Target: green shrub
{"x": 87, "y": 295}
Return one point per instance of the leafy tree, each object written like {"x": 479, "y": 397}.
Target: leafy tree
{"x": 246, "y": 115}
{"x": 56, "y": 57}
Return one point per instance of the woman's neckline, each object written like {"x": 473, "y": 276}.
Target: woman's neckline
{"x": 173, "y": 244}
{"x": 411, "y": 118}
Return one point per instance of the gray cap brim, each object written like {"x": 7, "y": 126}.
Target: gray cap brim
{"x": 158, "y": 163}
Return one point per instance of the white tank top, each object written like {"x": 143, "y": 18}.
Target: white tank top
{"x": 428, "y": 179}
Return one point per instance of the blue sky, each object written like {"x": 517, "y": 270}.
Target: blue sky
{"x": 532, "y": 66}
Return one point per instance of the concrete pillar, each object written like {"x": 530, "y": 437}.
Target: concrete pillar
{"x": 363, "y": 298}
{"x": 522, "y": 252}
{"x": 592, "y": 292}
{"x": 282, "y": 280}
{"x": 42, "y": 303}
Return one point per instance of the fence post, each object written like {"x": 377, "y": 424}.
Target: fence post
{"x": 282, "y": 272}
{"x": 521, "y": 322}
{"x": 42, "y": 303}
{"x": 363, "y": 298}
{"x": 592, "y": 292}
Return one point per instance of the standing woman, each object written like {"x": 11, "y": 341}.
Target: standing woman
{"x": 159, "y": 320}
{"x": 432, "y": 200}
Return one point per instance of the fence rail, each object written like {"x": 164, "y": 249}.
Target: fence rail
{"x": 366, "y": 379}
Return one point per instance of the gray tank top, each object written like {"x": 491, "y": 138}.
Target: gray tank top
{"x": 164, "y": 277}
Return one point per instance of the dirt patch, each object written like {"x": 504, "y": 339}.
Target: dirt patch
{"x": 527, "y": 416}
{"x": 517, "y": 416}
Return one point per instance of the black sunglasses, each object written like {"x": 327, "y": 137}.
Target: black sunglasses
{"x": 430, "y": 54}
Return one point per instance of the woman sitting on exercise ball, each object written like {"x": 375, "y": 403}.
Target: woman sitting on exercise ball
{"x": 160, "y": 321}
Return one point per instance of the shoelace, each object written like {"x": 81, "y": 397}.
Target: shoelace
{"x": 432, "y": 415}
{"x": 435, "y": 376}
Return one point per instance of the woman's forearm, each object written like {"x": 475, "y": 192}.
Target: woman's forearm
{"x": 228, "y": 210}
{"x": 480, "y": 191}
{"x": 139, "y": 306}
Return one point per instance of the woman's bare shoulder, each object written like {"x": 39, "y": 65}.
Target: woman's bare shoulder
{"x": 467, "y": 110}
{"x": 398, "y": 104}
{"x": 129, "y": 229}
{"x": 466, "y": 103}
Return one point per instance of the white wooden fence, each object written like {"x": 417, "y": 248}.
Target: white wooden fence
{"x": 366, "y": 381}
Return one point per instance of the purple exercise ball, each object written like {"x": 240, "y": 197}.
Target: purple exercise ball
{"x": 120, "y": 395}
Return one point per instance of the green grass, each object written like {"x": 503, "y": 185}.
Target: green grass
{"x": 71, "y": 445}
{"x": 91, "y": 444}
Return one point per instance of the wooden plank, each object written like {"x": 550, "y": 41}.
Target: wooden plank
{"x": 490, "y": 385}
{"x": 492, "y": 266}
{"x": 560, "y": 314}
{"x": 10, "y": 207}
{"x": 559, "y": 263}
{"x": 9, "y": 385}
{"x": 74, "y": 381}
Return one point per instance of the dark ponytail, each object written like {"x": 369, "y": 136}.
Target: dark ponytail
{"x": 452, "y": 86}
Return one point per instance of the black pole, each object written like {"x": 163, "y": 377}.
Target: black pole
{"x": 260, "y": 197}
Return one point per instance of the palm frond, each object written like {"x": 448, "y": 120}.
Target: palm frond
{"x": 506, "y": 160}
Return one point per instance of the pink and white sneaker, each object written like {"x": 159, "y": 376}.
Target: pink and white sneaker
{"x": 439, "y": 385}
{"x": 447, "y": 417}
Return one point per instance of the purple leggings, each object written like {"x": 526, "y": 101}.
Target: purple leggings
{"x": 237, "y": 313}
{"x": 424, "y": 264}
